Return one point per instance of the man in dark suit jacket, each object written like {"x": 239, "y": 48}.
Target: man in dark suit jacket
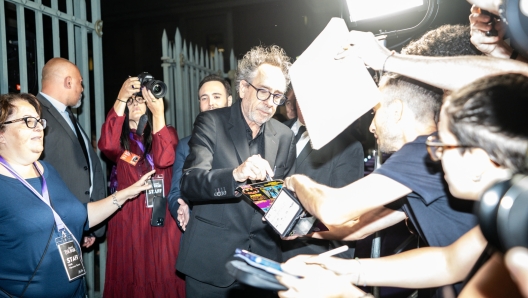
{"x": 338, "y": 163}
{"x": 213, "y": 92}
{"x": 229, "y": 147}
{"x": 83, "y": 174}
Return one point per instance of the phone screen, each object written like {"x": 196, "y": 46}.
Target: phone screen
{"x": 282, "y": 212}
{"x": 260, "y": 262}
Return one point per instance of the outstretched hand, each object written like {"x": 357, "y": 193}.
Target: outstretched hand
{"x": 313, "y": 277}
{"x": 141, "y": 185}
{"x": 367, "y": 47}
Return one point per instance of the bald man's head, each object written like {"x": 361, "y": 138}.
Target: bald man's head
{"x": 62, "y": 80}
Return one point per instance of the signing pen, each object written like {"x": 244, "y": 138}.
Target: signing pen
{"x": 268, "y": 178}
{"x": 334, "y": 251}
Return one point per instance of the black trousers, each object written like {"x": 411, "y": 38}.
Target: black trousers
{"x": 198, "y": 289}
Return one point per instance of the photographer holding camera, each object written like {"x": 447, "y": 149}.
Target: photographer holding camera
{"x": 141, "y": 256}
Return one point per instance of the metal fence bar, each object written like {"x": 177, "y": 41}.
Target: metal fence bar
{"x": 178, "y": 77}
{"x": 192, "y": 84}
{"x": 53, "y": 11}
{"x": 39, "y": 32}
{"x": 184, "y": 84}
{"x": 165, "y": 49}
{"x": 81, "y": 52}
{"x": 183, "y": 69}
{"x": 22, "y": 54}
{"x": 171, "y": 88}
{"x": 3, "y": 50}
{"x": 71, "y": 35}
{"x": 55, "y": 29}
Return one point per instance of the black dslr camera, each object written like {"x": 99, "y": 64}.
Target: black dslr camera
{"x": 158, "y": 88}
{"x": 503, "y": 213}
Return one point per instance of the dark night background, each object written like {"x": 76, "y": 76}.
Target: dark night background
{"x": 133, "y": 29}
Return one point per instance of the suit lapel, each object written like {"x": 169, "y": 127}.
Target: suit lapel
{"x": 304, "y": 153}
{"x": 58, "y": 117}
{"x": 306, "y": 150}
{"x": 237, "y": 132}
{"x": 271, "y": 144}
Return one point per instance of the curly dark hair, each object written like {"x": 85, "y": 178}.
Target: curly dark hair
{"x": 490, "y": 113}
{"x": 273, "y": 55}
{"x": 444, "y": 41}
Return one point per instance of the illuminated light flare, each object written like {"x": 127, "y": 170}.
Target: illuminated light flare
{"x": 361, "y": 9}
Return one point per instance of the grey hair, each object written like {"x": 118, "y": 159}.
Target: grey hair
{"x": 272, "y": 55}
{"x": 424, "y": 100}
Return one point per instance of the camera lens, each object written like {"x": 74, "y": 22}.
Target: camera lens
{"x": 158, "y": 88}
{"x": 502, "y": 213}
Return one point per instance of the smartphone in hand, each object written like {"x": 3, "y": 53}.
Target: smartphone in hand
{"x": 257, "y": 261}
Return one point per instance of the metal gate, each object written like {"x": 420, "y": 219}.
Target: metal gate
{"x": 183, "y": 69}
{"x": 64, "y": 26}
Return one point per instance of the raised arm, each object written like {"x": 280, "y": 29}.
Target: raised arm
{"x": 418, "y": 268}
{"x": 444, "y": 72}
{"x": 342, "y": 206}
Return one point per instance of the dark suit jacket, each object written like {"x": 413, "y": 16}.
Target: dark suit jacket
{"x": 63, "y": 151}
{"x": 220, "y": 221}
{"x": 338, "y": 163}
{"x": 182, "y": 150}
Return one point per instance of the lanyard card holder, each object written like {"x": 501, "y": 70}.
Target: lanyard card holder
{"x": 70, "y": 256}
{"x": 284, "y": 213}
{"x": 156, "y": 190}
{"x": 157, "y": 201}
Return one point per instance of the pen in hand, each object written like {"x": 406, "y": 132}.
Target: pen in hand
{"x": 268, "y": 178}
{"x": 334, "y": 251}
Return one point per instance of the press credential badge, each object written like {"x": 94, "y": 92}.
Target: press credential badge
{"x": 70, "y": 256}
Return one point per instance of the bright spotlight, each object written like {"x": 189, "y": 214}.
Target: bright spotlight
{"x": 368, "y": 9}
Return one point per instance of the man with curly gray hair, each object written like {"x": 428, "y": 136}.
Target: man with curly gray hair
{"x": 230, "y": 147}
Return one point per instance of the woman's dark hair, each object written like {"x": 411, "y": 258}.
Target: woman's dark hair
{"x": 7, "y": 107}
{"x": 491, "y": 114}
{"x": 147, "y": 133}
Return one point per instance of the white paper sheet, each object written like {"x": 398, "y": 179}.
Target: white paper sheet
{"x": 331, "y": 93}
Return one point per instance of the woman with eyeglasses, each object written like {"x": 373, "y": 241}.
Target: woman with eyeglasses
{"x": 41, "y": 221}
{"x": 141, "y": 257}
{"x": 482, "y": 140}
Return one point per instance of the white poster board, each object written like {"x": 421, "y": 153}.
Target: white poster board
{"x": 331, "y": 93}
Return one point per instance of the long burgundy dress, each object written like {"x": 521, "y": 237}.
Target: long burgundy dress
{"x": 141, "y": 258}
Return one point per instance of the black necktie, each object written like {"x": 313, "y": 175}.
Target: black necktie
{"x": 79, "y": 136}
{"x": 299, "y": 134}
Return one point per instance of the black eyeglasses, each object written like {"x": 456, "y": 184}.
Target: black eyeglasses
{"x": 31, "y": 122}
{"x": 264, "y": 94}
{"x": 138, "y": 99}
{"x": 436, "y": 148}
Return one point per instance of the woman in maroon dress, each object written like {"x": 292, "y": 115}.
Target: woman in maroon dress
{"x": 141, "y": 257}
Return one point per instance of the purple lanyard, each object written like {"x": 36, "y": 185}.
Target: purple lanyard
{"x": 45, "y": 195}
{"x": 140, "y": 145}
